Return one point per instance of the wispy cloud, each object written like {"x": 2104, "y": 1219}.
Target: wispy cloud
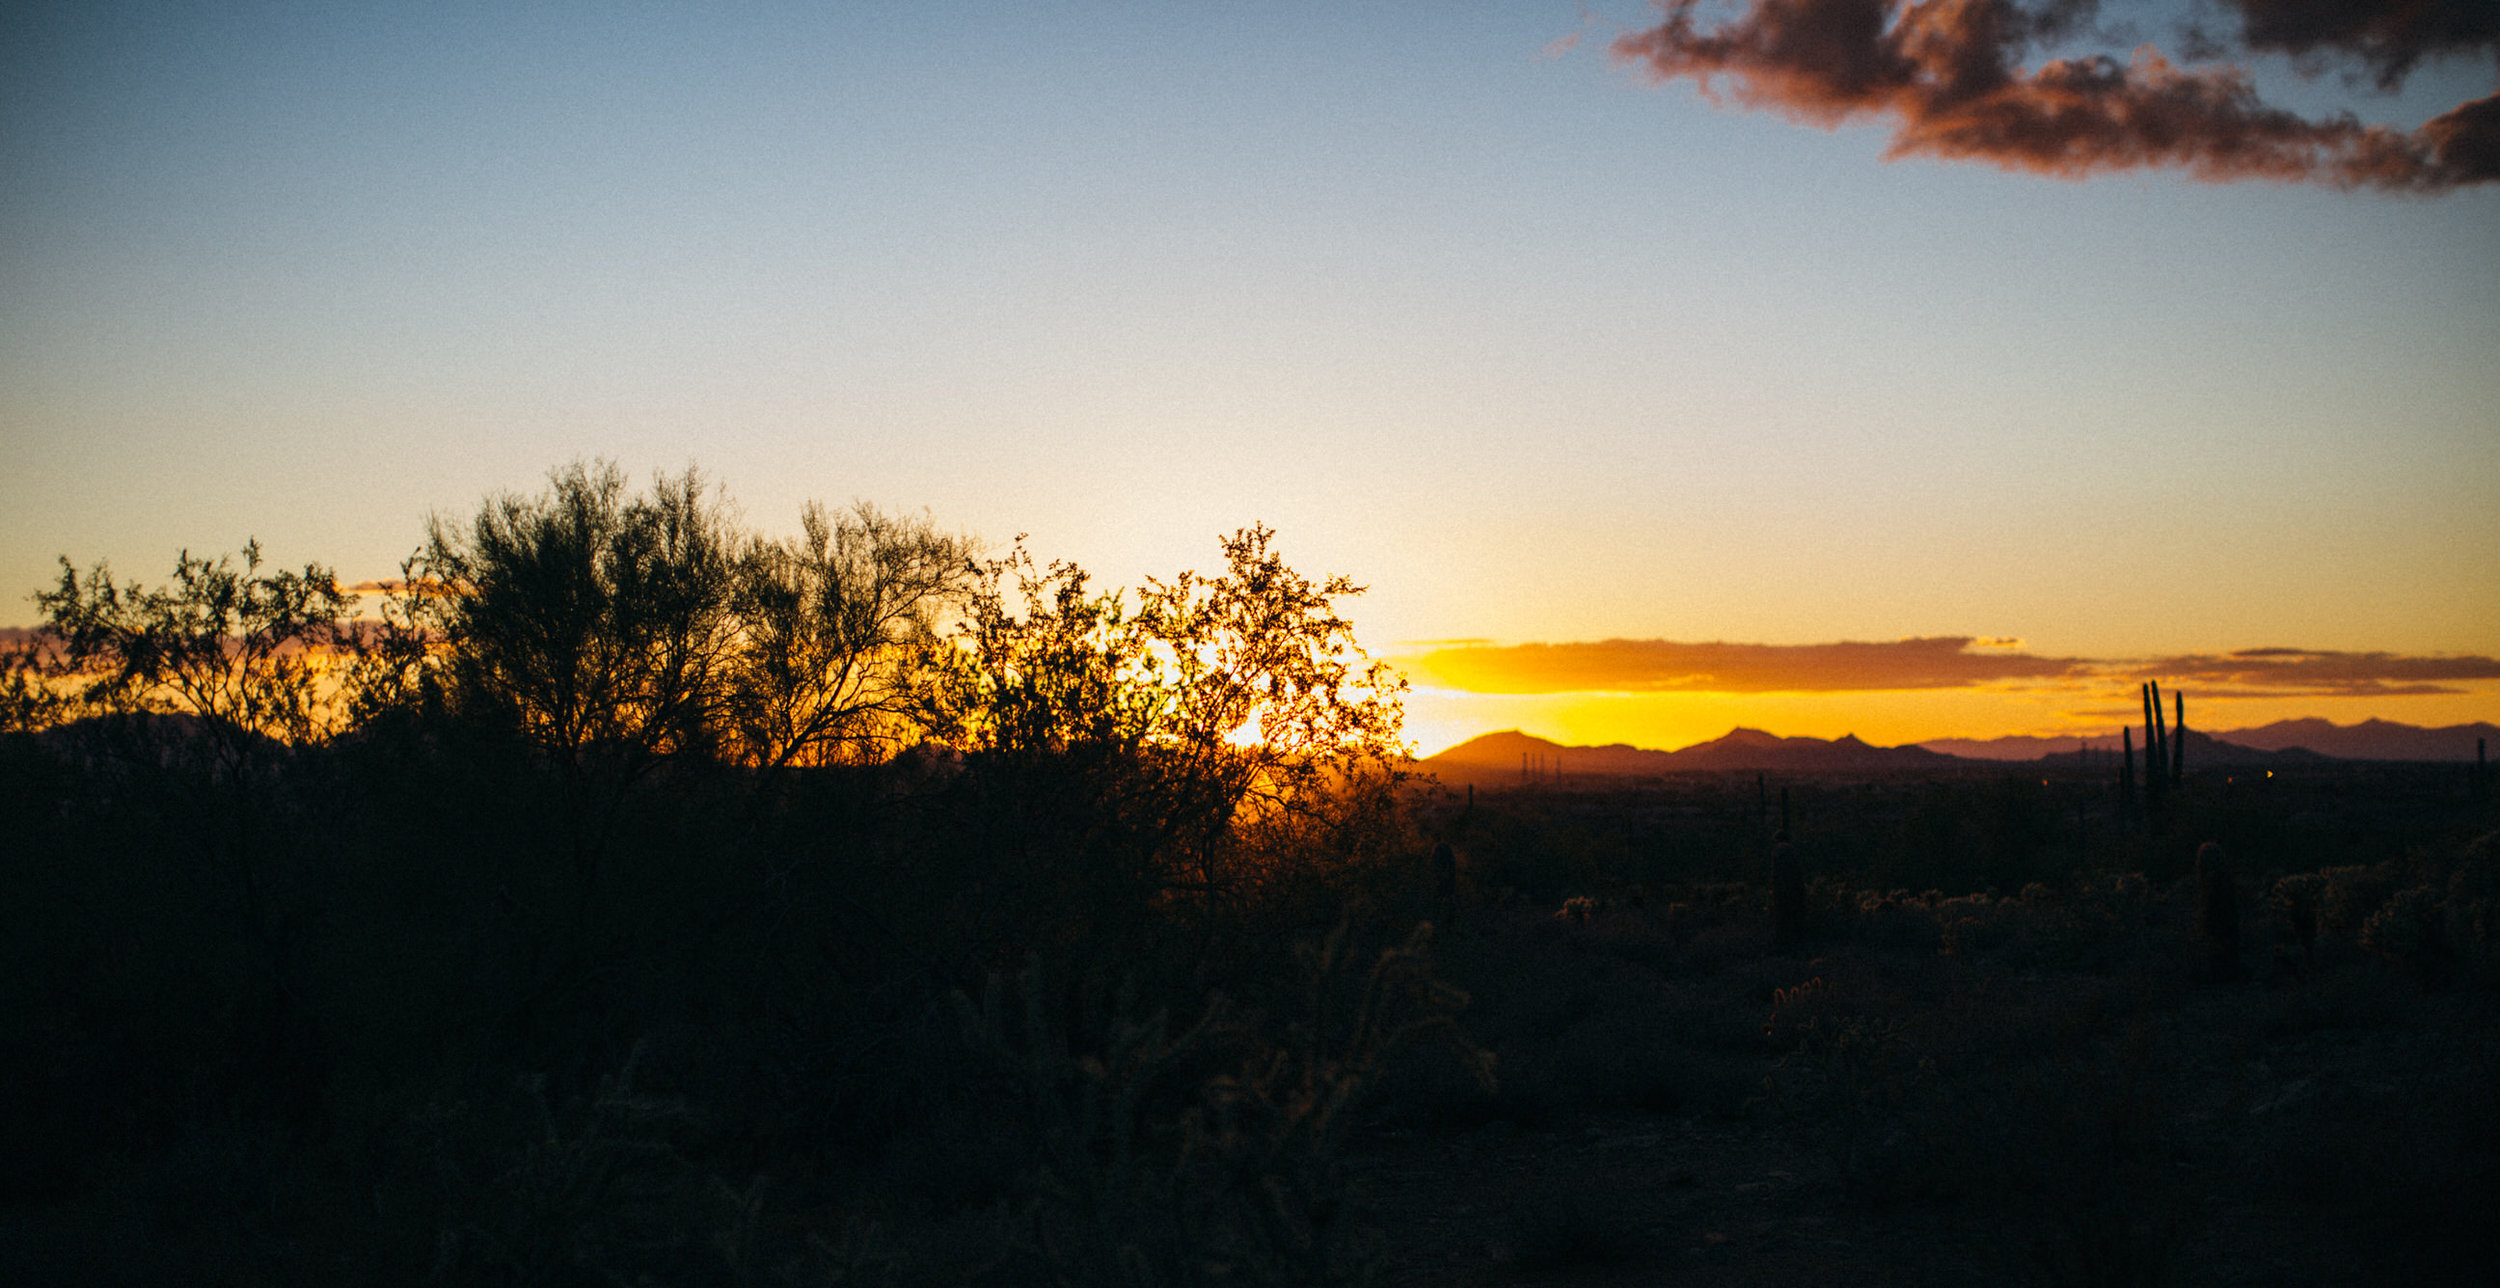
{"x": 1928, "y": 662}
{"x": 1950, "y": 77}
{"x": 1654, "y": 666}
{"x": 1564, "y": 44}
{"x": 425, "y": 587}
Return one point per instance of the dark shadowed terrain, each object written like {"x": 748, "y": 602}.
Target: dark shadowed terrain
{"x": 639, "y": 900}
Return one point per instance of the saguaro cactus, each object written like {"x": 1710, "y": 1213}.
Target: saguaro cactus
{"x": 2156, "y": 749}
{"x": 2178, "y": 738}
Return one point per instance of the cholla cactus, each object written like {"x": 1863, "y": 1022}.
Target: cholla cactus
{"x": 2352, "y": 894}
{"x": 2407, "y": 930}
{"x": 2474, "y": 901}
{"x": 1247, "y": 1185}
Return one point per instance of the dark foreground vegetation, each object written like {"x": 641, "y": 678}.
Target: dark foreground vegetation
{"x": 636, "y": 900}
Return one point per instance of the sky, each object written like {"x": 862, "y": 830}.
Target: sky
{"x": 1813, "y": 365}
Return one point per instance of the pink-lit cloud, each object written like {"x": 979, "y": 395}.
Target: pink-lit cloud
{"x": 1952, "y": 80}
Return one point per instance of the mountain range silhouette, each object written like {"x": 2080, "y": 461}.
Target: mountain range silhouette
{"x": 2369, "y": 740}
{"x": 2284, "y": 742}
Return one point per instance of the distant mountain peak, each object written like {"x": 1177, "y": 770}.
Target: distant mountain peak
{"x": 1512, "y": 739}
{"x": 2371, "y": 739}
{"x": 1493, "y": 757}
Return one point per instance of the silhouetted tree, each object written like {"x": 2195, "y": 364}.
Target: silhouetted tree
{"x": 835, "y": 635}
{"x": 237, "y": 651}
{"x": 230, "y": 661}
{"x": 31, "y": 695}
{"x": 1229, "y": 707}
{"x": 593, "y": 626}
{"x": 1277, "y": 718}
{"x": 591, "y": 623}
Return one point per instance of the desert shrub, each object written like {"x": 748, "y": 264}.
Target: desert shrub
{"x": 2025, "y": 933}
{"x": 1961, "y": 837}
{"x": 2296, "y": 901}
{"x": 1890, "y": 921}
{"x": 2038, "y": 930}
{"x": 1844, "y": 1073}
{"x": 2407, "y": 930}
{"x": 590, "y": 1188}
{"x": 2472, "y": 929}
{"x": 2353, "y": 893}
{"x": 1211, "y": 1152}
{"x": 1622, "y": 1047}
{"x": 2404, "y": 1165}
{"x": 1643, "y": 937}
{"x": 2071, "y": 1152}
{"x": 1542, "y": 862}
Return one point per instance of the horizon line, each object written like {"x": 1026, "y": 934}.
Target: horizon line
{"x": 2112, "y": 735}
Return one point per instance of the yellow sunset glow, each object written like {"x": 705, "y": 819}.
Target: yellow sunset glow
{"x": 1437, "y": 719}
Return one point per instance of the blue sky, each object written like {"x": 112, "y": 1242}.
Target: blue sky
{"x": 1539, "y": 350}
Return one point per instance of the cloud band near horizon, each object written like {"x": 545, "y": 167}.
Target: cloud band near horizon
{"x": 1950, "y": 78}
{"x": 1927, "y": 662}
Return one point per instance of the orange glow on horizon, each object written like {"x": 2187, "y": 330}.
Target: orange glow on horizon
{"x": 1437, "y": 719}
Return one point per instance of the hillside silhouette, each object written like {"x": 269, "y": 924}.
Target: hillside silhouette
{"x": 1740, "y": 749}
{"x": 2372, "y": 739}
{"x": 1511, "y": 755}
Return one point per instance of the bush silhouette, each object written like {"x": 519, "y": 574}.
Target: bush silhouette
{"x": 610, "y": 908}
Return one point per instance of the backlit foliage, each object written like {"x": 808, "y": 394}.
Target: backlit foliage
{"x": 233, "y": 647}
{"x": 1229, "y": 715}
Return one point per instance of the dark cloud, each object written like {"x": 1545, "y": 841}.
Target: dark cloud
{"x": 2360, "y": 689}
{"x": 1950, "y": 75}
{"x": 2390, "y": 37}
{"x": 1659, "y": 666}
{"x": 2293, "y": 672}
